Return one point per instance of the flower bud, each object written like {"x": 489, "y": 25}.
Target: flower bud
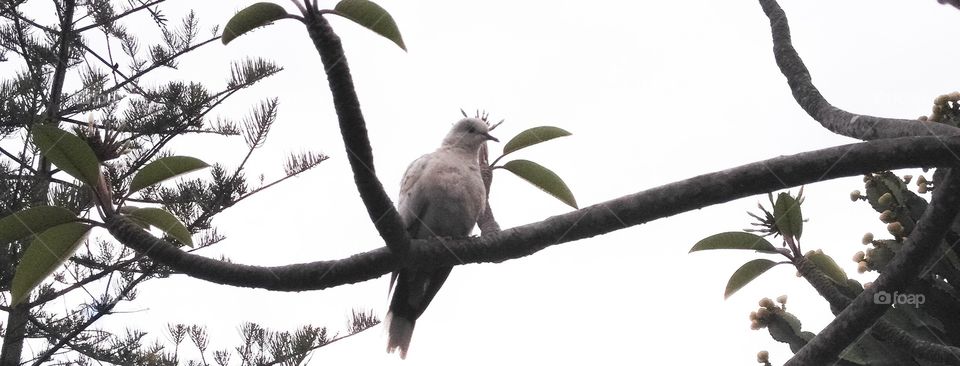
{"x": 763, "y": 357}
{"x": 855, "y": 195}
{"x": 858, "y": 257}
{"x": 886, "y": 199}
{"x": 895, "y": 228}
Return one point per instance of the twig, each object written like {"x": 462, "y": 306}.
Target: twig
{"x": 118, "y": 16}
{"x": 158, "y": 64}
{"x": 103, "y": 310}
{"x": 17, "y": 160}
{"x": 311, "y": 349}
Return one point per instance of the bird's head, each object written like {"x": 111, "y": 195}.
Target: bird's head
{"x": 469, "y": 134}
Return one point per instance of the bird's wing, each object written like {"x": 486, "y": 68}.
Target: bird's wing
{"x": 411, "y": 202}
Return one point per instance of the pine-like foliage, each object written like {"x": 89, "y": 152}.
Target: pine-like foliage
{"x": 87, "y": 71}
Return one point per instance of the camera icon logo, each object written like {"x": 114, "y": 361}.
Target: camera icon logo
{"x": 897, "y": 299}
{"x": 882, "y": 298}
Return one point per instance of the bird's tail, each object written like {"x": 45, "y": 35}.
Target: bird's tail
{"x": 399, "y": 333}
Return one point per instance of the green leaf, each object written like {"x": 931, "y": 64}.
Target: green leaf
{"x": 828, "y": 266}
{"x": 251, "y": 17}
{"x": 44, "y": 255}
{"x": 68, "y": 152}
{"x": 371, "y": 16}
{"x": 164, "y": 221}
{"x": 542, "y": 178}
{"x": 31, "y": 221}
{"x": 787, "y": 214}
{"x": 163, "y": 169}
{"x": 532, "y": 137}
{"x": 735, "y": 240}
{"x": 746, "y": 273}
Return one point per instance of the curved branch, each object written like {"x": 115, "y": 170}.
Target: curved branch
{"x": 955, "y": 3}
{"x": 671, "y": 199}
{"x": 903, "y": 270}
{"x": 832, "y": 118}
{"x": 359, "y": 153}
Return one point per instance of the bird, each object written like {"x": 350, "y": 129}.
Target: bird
{"x": 441, "y": 196}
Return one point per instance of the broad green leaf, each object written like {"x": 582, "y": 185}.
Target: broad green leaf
{"x": 532, "y": 137}
{"x": 127, "y": 209}
{"x": 164, "y": 221}
{"x": 746, "y": 273}
{"x": 735, "y": 240}
{"x": 68, "y": 152}
{"x": 542, "y": 178}
{"x": 45, "y": 253}
{"x": 828, "y": 266}
{"x": 787, "y": 214}
{"x": 251, "y": 17}
{"x": 163, "y": 169}
{"x": 32, "y": 221}
{"x": 371, "y": 16}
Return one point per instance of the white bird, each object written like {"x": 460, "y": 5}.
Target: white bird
{"x": 441, "y": 196}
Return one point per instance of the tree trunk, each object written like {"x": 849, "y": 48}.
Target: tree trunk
{"x": 17, "y": 318}
{"x": 13, "y": 339}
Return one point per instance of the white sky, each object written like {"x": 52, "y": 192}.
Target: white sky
{"x": 652, "y": 91}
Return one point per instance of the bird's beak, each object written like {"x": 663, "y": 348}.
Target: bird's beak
{"x": 491, "y": 137}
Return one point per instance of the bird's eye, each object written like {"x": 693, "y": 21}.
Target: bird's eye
{"x": 471, "y": 130}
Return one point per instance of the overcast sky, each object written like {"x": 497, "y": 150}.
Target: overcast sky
{"x": 653, "y": 92}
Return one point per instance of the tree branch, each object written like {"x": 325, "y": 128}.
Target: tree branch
{"x": 102, "y": 310}
{"x": 902, "y": 271}
{"x": 118, "y": 16}
{"x": 157, "y": 64}
{"x": 353, "y": 128}
{"x": 832, "y": 118}
{"x": 602, "y": 218}
{"x": 882, "y": 329}
{"x": 955, "y": 3}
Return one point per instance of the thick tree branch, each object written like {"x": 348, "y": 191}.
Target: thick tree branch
{"x": 902, "y": 271}
{"x": 832, "y": 118}
{"x": 955, "y": 3}
{"x": 916, "y": 347}
{"x": 353, "y": 128}
{"x": 671, "y": 199}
